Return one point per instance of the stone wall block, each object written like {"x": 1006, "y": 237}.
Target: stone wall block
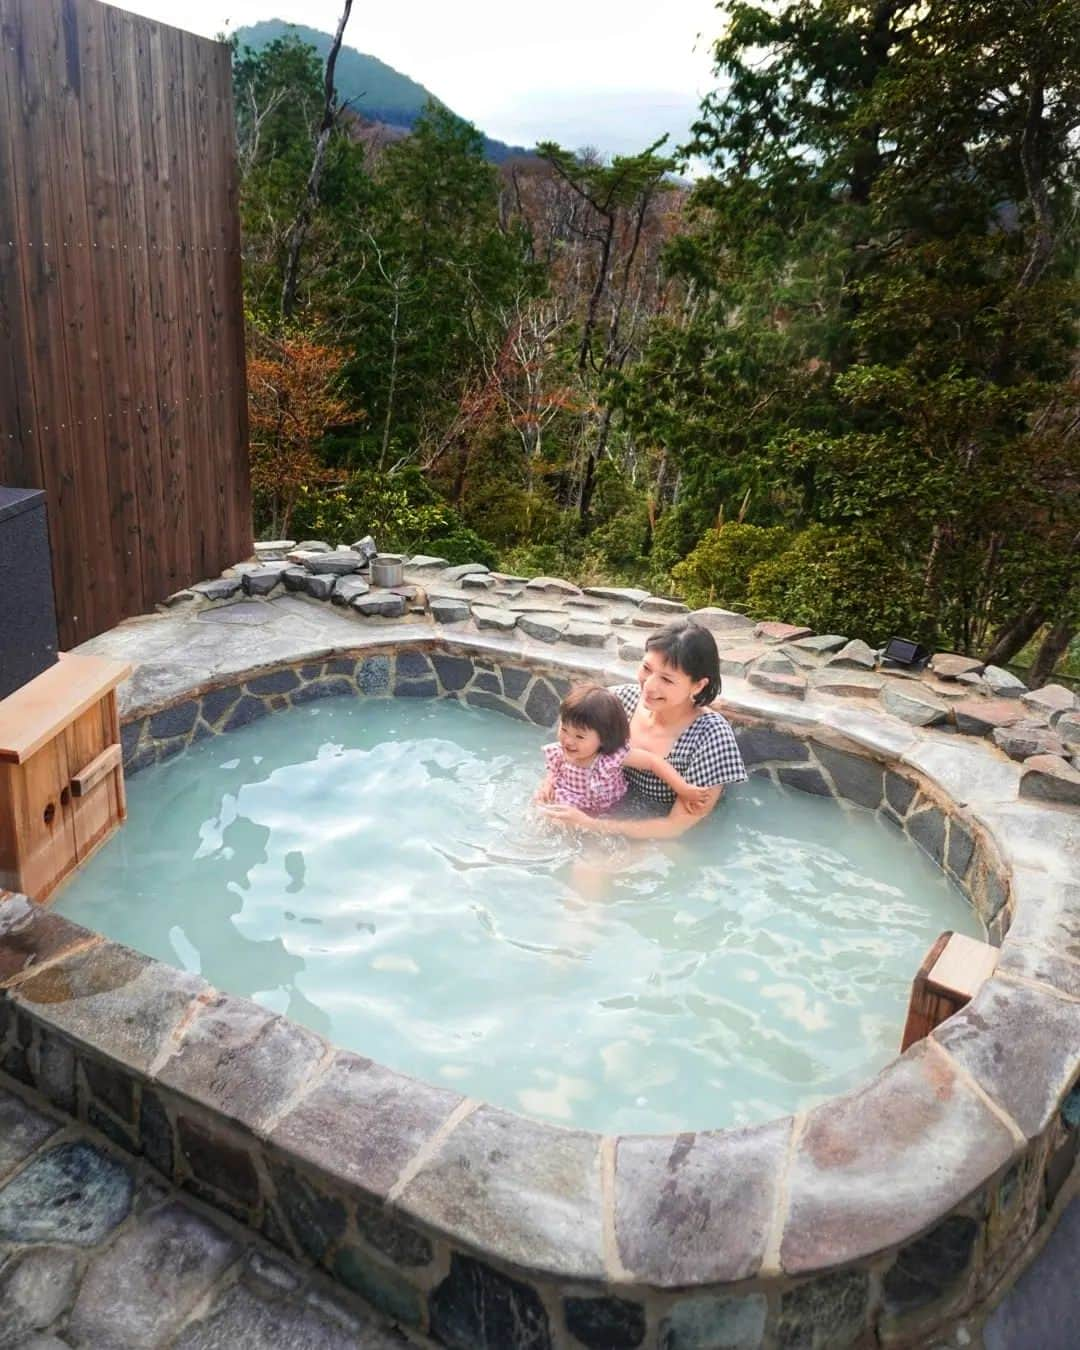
{"x": 674, "y": 1197}
{"x": 334, "y": 686}
{"x": 213, "y": 1157}
{"x": 829, "y": 1313}
{"x": 382, "y": 1230}
{"x": 488, "y": 682}
{"x": 878, "y": 1165}
{"x": 733, "y": 1323}
{"x": 504, "y": 1157}
{"x": 248, "y": 709}
{"x": 112, "y": 1000}
{"x": 604, "y": 1323}
{"x": 413, "y": 665}
{"x": 380, "y": 1284}
{"x": 856, "y": 778}
{"x": 241, "y": 1061}
{"x": 478, "y": 1306}
{"x": 1022, "y": 1046}
{"x": 454, "y": 672}
{"x": 808, "y": 779}
{"x": 926, "y": 825}
{"x": 542, "y": 706}
{"x": 318, "y": 1220}
{"x": 899, "y": 793}
{"x": 932, "y": 1269}
{"x": 373, "y": 675}
{"x": 763, "y": 745}
{"x": 362, "y": 1123}
{"x": 156, "y": 1137}
{"x": 218, "y": 702}
{"x": 515, "y": 681}
{"x": 22, "y": 1130}
{"x": 477, "y": 698}
{"x": 417, "y": 688}
{"x": 175, "y": 721}
{"x": 54, "y": 1074}
{"x": 275, "y": 682}
{"x": 30, "y": 934}
{"x": 111, "y": 1086}
{"x": 961, "y": 849}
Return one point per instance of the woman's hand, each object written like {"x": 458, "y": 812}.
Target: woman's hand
{"x": 569, "y": 817}
{"x": 695, "y": 799}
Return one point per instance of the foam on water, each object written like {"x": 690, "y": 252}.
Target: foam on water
{"x": 373, "y": 870}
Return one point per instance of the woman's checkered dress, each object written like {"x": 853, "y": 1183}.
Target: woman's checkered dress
{"x": 706, "y": 754}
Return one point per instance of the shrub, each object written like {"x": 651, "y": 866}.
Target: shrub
{"x": 838, "y": 582}
{"x": 717, "y": 571}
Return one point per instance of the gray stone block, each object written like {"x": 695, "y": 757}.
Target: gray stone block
{"x": 373, "y": 675}
{"x": 22, "y": 1130}
{"x": 857, "y": 779}
{"x": 262, "y": 581}
{"x": 927, "y": 828}
{"x": 347, "y": 589}
{"x": 276, "y": 682}
{"x": 384, "y": 605}
{"x": 125, "y": 1301}
{"x": 828, "y": 1312}
{"x": 454, "y": 672}
{"x": 75, "y": 1194}
{"x": 542, "y": 706}
{"x": 763, "y": 745}
{"x": 899, "y": 792}
{"x": 36, "y": 1286}
{"x": 478, "y": 1306}
{"x": 720, "y": 1323}
{"x": 806, "y": 779}
{"x": 175, "y": 721}
{"x": 249, "y": 709}
{"x": 603, "y": 1323}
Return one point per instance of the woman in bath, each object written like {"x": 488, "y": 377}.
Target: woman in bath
{"x": 678, "y": 678}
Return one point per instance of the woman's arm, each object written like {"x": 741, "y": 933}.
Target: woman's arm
{"x": 695, "y": 798}
{"x": 677, "y": 821}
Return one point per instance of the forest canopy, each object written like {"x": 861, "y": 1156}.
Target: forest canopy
{"x": 832, "y": 380}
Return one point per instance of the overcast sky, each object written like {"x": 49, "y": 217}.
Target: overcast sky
{"x": 610, "y": 73}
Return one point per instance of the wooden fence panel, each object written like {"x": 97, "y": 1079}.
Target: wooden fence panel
{"x": 122, "y": 379}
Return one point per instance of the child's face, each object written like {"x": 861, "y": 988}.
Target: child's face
{"x": 579, "y": 744}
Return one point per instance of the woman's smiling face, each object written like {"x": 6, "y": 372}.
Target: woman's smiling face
{"x": 665, "y": 686}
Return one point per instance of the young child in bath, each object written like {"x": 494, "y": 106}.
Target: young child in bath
{"x": 585, "y": 765}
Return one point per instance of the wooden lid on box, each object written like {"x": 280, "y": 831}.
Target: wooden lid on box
{"x": 34, "y": 714}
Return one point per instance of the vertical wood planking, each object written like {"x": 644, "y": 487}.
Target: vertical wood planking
{"x": 122, "y": 387}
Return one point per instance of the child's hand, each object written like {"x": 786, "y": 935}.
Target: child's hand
{"x": 545, "y": 792}
{"x": 694, "y": 799}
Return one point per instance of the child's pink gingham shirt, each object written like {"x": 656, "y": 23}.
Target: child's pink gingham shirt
{"x": 593, "y": 789}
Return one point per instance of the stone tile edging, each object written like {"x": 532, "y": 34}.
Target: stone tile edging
{"x": 888, "y": 1209}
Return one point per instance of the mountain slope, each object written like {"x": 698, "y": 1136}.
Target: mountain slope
{"x": 376, "y": 92}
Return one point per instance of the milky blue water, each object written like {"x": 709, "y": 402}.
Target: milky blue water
{"x": 373, "y": 869}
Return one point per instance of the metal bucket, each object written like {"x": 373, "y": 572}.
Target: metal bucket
{"x": 386, "y": 571}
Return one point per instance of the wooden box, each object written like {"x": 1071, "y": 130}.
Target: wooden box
{"x": 61, "y": 772}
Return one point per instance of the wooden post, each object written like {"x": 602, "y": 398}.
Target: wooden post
{"x": 951, "y": 974}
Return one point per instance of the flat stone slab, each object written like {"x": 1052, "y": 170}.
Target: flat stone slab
{"x": 142, "y": 1288}
{"x": 847, "y": 683}
{"x": 674, "y": 1198}
{"x": 980, "y": 716}
{"x": 74, "y": 1194}
{"x": 1003, "y": 683}
{"x": 722, "y": 620}
{"x": 444, "y": 610}
{"x": 655, "y": 604}
{"x": 950, "y": 665}
{"x": 496, "y": 620}
{"x": 738, "y": 660}
{"x": 781, "y": 632}
{"x": 1052, "y": 700}
{"x": 364, "y": 1123}
{"x": 246, "y": 613}
{"x": 911, "y": 704}
{"x": 788, "y": 686}
{"x": 1047, "y": 778}
{"x": 541, "y": 1190}
{"x": 630, "y": 595}
{"x": 553, "y": 585}
{"x": 1029, "y": 834}
{"x": 335, "y": 564}
{"x": 967, "y": 772}
{"x": 242, "y": 1061}
{"x": 876, "y": 1166}
{"x": 464, "y": 570}
{"x": 426, "y": 562}
{"x": 383, "y": 606}
{"x": 116, "y": 1000}
{"x": 855, "y": 654}
{"x": 346, "y": 589}
{"x": 823, "y": 644}
{"x": 1024, "y": 739}
{"x": 1020, "y": 1046}
{"x": 586, "y": 634}
{"x": 243, "y": 1320}
{"x": 219, "y": 588}
{"x": 545, "y": 627}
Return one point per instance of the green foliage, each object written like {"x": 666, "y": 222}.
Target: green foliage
{"x": 718, "y": 570}
{"x": 836, "y": 582}
{"x": 402, "y": 512}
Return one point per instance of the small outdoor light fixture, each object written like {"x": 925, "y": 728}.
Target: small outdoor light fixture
{"x": 903, "y": 652}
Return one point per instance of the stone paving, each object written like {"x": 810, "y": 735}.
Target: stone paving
{"x": 97, "y": 1253}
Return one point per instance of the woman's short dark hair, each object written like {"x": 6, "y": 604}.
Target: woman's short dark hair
{"x": 692, "y": 649}
{"x": 594, "y": 708}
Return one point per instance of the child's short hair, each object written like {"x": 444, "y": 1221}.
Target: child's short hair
{"x": 595, "y": 708}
